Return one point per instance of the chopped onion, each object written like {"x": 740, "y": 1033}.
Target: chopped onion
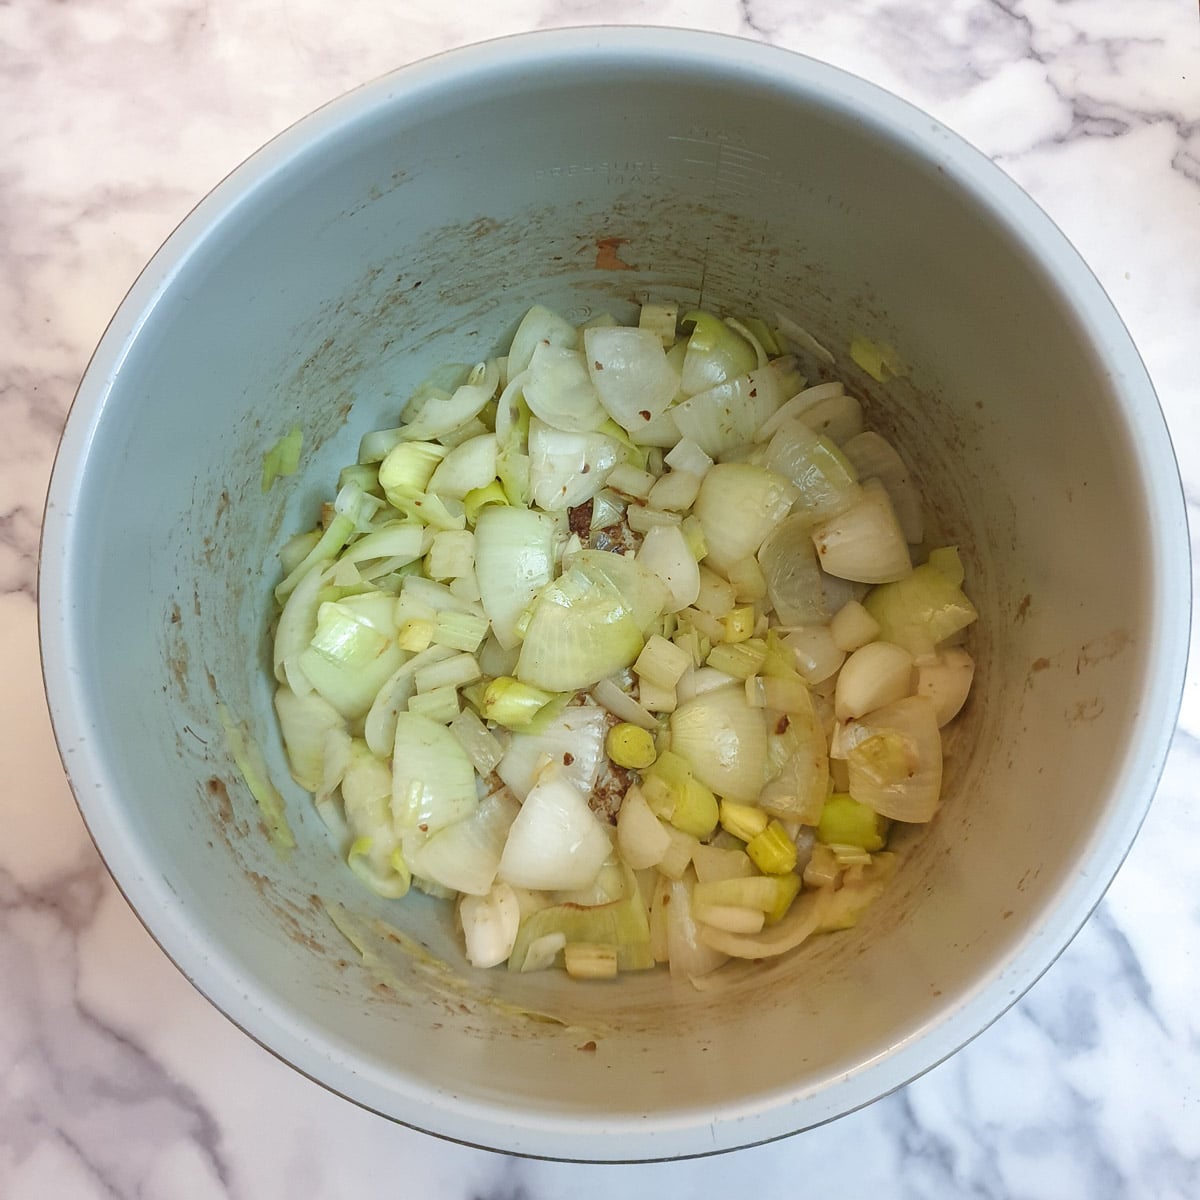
{"x": 641, "y": 837}
{"x": 379, "y": 728}
{"x": 470, "y": 465}
{"x": 865, "y": 543}
{"x": 466, "y": 855}
{"x": 440, "y": 417}
{"x": 514, "y": 560}
{"x": 574, "y": 739}
{"x": 817, "y": 658}
{"x": 803, "y": 919}
{"x": 631, "y": 372}
{"x": 793, "y": 578}
{"x": 715, "y": 352}
{"x": 689, "y": 952}
{"x": 305, "y": 722}
{"x": 490, "y": 925}
{"x": 839, "y": 417}
{"x": 894, "y": 757}
{"x": 559, "y": 390}
{"x": 728, "y": 416}
{"x": 738, "y": 505}
{"x": 825, "y": 480}
{"x": 539, "y": 326}
{"x": 724, "y": 742}
{"x": 611, "y": 697}
{"x": 946, "y": 682}
{"x": 852, "y": 626}
{"x": 874, "y": 457}
{"x": 921, "y": 610}
{"x": 874, "y": 675}
{"x": 433, "y": 782}
{"x": 665, "y": 551}
{"x": 556, "y": 842}
{"x": 565, "y": 469}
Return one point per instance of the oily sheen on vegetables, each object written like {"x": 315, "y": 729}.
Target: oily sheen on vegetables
{"x": 626, "y": 643}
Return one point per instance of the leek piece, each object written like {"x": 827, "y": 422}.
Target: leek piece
{"x": 641, "y": 519}
{"x": 660, "y": 320}
{"x": 338, "y": 533}
{"x": 739, "y": 623}
{"x": 482, "y": 746}
{"x": 878, "y": 359}
{"x": 628, "y": 481}
{"x": 439, "y": 416}
{"x": 918, "y": 612}
{"x": 590, "y": 960}
{"x": 514, "y": 560}
{"x": 415, "y": 634}
{"x": 433, "y": 781}
{"x": 661, "y": 663}
{"x": 657, "y": 699}
{"x": 621, "y": 923}
{"x": 511, "y": 703}
{"x": 674, "y": 492}
{"x": 763, "y": 334}
{"x": 864, "y": 543}
{"x": 630, "y": 746}
{"x": 759, "y": 892}
{"x": 438, "y": 704}
{"x": 490, "y": 924}
{"x": 844, "y": 821}
{"x": 362, "y": 476}
{"x": 408, "y": 469}
{"x": 744, "y": 821}
{"x": 822, "y": 870}
{"x": 741, "y": 661}
{"x": 772, "y": 851}
{"x": 430, "y": 510}
{"x": 676, "y": 795}
{"x": 459, "y": 631}
{"x": 283, "y": 458}
{"x": 476, "y": 500}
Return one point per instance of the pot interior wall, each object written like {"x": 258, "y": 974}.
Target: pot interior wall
{"x": 328, "y": 290}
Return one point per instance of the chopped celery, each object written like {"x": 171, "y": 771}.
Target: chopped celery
{"x": 438, "y": 704}
{"x": 459, "y": 631}
{"x": 741, "y": 660}
{"x": 661, "y": 663}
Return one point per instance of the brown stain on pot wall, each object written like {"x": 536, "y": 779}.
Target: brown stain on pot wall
{"x": 608, "y": 256}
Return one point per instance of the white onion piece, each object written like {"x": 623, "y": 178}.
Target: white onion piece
{"x": 817, "y": 658}
{"x": 559, "y": 390}
{"x": 470, "y": 465}
{"x": 946, "y": 682}
{"x": 874, "y": 675}
{"x": 802, "y": 920}
{"x": 490, "y": 924}
{"x": 912, "y": 724}
{"x": 641, "y": 837}
{"x": 824, "y": 479}
{"x": 556, "y": 843}
{"x": 865, "y": 543}
{"x": 438, "y": 417}
{"x": 632, "y": 375}
{"x": 565, "y": 469}
{"x": 574, "y": 740}
{"x": 738, "y": 505}
{"x": 661, "y": 431}
{"x": 688, "y": 951}
{"x": 538, "y": 326}
{"x": 729, "y": 415}
{"x": 297, "y": 624}
{"x": 801, "y": 339}
{"x": 838, "y": 418}
{"x": 665, "y": 551}
{"x": 796, "y": 405}
{"x": 514, "y": 560}
{"x": 676, "y": 491}
{"x": 618, "y": 702}
{"x": 724, "y": 741}
{"x": 466, "y": 855}
{"x": 852, "y": 626}
{"x": 697, "y": 681}
{"x": 306, "y": 722}
{"x": 433, "y": 781}
{"x": 874, "y": 457}
{"x": 794, "y": 580}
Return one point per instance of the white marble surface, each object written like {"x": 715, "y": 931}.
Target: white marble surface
{"x": 116, "y": 1079}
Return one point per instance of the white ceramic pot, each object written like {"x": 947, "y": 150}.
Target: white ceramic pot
{"x": 411, "y": 223}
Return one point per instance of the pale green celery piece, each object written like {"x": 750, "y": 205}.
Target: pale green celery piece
{"x": 740, "y": 659}
{"x": 250, "y": 762}
{"x": 844, "y": 821}
{"x": 879, "y": 359}
{"x": 439, "y": 704}
{"x": 459, "y": 631}
{"x": 283, "y": 458}
{"x": 621, "y": 923}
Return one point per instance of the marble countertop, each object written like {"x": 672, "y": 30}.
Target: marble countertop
{"x": 116, "y": 1078}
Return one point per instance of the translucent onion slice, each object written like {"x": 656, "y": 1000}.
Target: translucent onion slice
{"x": 792, "y": 409}
{"x": 433, "y": 781}
{"x": 559, "y": 390}
{"x": 894, "y": 759}
{"x": 947, "y": 682}
{"x": 538, "y": 326}
{"x": 305, "y": 722}
{"x": 729, "y": 415}
{"x": 838, "y": 418}
{"x": 565, "y": 469}
{"x": 865, "y": 543}
{"x": 466, "y": 855}
{"x": 514, "y": 560}
{"x": 439, "y": 417}
{"x": 631, "y": 372}
{"x": 738, "y": 505}
{"x": 297, "y": 624}
{"x": 874, "y": 457}
{"x": 665, "y": 552}
{"x": 715, "y": 352}
{"x": 817, "y": 657}
{"x": 556, "y": 842}
{"x": 689, "y": 953}
{"x": 921, "y": 610}
{"x": 724, "y": 741}
{"x": 470, "y": 465}
{"x": 824, "y": 478}
{"x": 803, "y": 919}
{"x": 574, "y": 739}
{"x": 794, "y": 580}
